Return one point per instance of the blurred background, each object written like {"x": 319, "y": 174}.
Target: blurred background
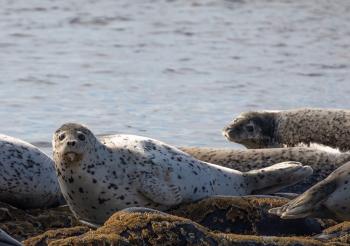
{"x": 177, "y": 71}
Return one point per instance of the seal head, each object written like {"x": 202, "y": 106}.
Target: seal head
{"x": 252, "y": 129}
{"x": 72, "y": 141}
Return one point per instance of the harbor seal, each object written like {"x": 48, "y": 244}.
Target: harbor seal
{"x": 271, "y": 129}
{"x": 329, "y": 199}
{"x": 322, "y": 160}
{"x": 27, "y": 175}
{"x": 100, "y": 176}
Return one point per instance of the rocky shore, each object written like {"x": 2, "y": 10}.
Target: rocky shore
{"x": 212, "y": 221}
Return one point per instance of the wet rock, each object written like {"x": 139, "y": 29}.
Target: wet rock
{"x": 22, "y": 224}
{"x": 338, "y": 233}
{"x": 248, "y": 215}
{"x": 125, "y": 228}
{"x": 53, "y": 235}
{"x": 212, "y": 221}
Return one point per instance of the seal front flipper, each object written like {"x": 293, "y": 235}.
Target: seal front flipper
{"x": 276, "y": 177}
{"x": 310, "y": 203}
{"x": 159, "y": 191}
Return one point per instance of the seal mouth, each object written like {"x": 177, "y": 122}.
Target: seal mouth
{"x": 72, "y": 156}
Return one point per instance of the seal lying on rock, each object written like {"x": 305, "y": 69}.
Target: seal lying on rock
{"x": 269, "y": 129}
{"x": 322, "y": 160}
{"x": 27, "y": 175}
{"x": 99, "y": 177}
{"x": 329, "y": 198}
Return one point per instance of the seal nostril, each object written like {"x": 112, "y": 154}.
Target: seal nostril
{"x": 71, "y": 143}
{"x": 227, "y": 130}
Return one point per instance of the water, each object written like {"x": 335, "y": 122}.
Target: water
{"x": 177, "y": 71}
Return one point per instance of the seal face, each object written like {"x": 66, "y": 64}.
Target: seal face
{"x": 27, "y": 175}
{"x": 252, "y": 129}
{"x": 100, "y": 176}
{"x": 329, "y": 198}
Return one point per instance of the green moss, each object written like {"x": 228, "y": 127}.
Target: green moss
{"x": 157, "y": 229}
{"x": 22, "y": 224}
{"x": 51, "y": 235}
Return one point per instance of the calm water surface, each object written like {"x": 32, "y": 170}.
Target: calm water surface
{"x": 177, "y": 71}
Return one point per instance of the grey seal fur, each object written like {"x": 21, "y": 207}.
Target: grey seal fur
{"x": 27, "y": 175}
{"x": 101, "y": 176}
{"x": 271, "y": 129}
{"x": 6, "y": 240}
{"x": 322, "y": 160}
{"x": 329, "y": 199}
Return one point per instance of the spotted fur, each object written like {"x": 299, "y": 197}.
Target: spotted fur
{"x": 27, "y": 175}
{"x": 322, "y": 160}
{"x": 100, "y": 176}
{"x": 265, "y": 129}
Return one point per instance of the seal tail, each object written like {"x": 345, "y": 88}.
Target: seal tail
{"x": 276, "y": 177}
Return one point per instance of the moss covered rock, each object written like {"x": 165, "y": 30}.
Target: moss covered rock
{"x": 248, "y": 215}
{"x": 22, "y": 224}
{"x": 53, "y": 235}
{"x": 339, "y": 233}
{"x": 125, "y": 228}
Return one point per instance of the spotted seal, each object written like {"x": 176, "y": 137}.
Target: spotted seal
{"x": 329, "y": 198}
{"x": 270, "y": 129}
{"x": 27, "y": 175}
{"x": 100, "y": 176}
{"x": 322, "y": 160}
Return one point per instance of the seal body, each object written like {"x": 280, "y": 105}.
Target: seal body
{"x": 322, "y": 160}
{"x": 269, "y": 129}
{"x": 27, "y": 175}
{"x": 329, "y": 199}
{"x": 100, "y": 176}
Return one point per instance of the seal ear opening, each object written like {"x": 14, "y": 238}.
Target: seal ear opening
{"x": 276, "y": 177}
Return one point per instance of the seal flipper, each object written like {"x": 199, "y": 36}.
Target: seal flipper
{"x": 308, "y": 203}
{"x": 159, "y": 191}
{"x": 276, "y": 177}
{"x": 6, "y": 240}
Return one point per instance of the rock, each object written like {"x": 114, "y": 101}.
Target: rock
{"x": 125, "y": 228}
{"x": 52, "y": 235}
{"x": 21, "y": 224}
{"x": 248, "y": 215}
{"x": 338, "y": 233}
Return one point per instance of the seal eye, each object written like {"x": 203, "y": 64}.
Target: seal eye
{"x": 62, "y": 136}
{"x": 81, "y": 137}
{"x": 249, "y": 128}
